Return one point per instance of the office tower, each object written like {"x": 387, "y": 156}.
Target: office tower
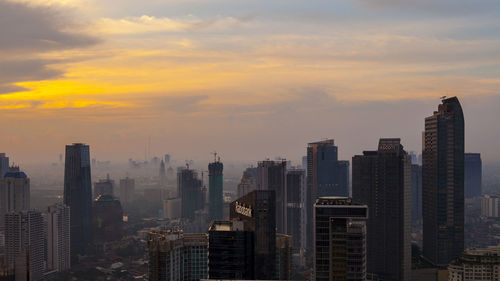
{"x": 382, "y": 180}
{"x": 4, "y": 164}
{"x": 230, "y": 251}
{"x": 58, "y": 238}
{"x": 343, "y": 175}
{"x": 271, "y": 175}
{"x": 127, "y": 190}
{"x": 416, "y": 193}
{"x": 162, "y": 175}
{"x": 476, "y": 264}
{"x": 296, "y": 212}
{"x": 323, "y": 177}
{"x": 283, "y": 257}
{"x": 489, "y": 206}
{"x": 473, "y": 174}
{"x": 107, "y": 219}
{"x": 14, "y": 192}
{"x": 24, "y": 244}
{"x": 257, "y": 211}
{"x": 172, "y": 208}
{"x": 443, "y": 184}
{"x": 104, "y": 187}
{"x": 339, "y": 239}
{"x": 247, "y": 184}
{"x": 78, "y": 196}
{"x": 215, "y": 189}
{"x": 190, "y": 191}
{"x": 304, "y": 163}
{"x": 167, "y": 159}
{"x": 177, "y": 256}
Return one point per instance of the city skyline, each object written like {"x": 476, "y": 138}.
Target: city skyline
{"x": 271, "y": 75}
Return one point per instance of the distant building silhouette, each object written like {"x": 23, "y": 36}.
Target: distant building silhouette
{"x": 78, "y": 196}
{"x": 340, "y": 239}
{"x": 4, "y": 164}
{"x": 127, "y": 190}
{"x": 382, "y": 180}
{"x": 296, "y": 208}
{"x": 473, "y": 177}
{"x": 107, "y": 219}
{"x": 489, "y": 206}
{"x": 162, "y": 175}
{"x": 283, "y": 257}
{"x": 416, "y": 193}
{"x": 190, "y": 191}
{"x": 443, "y": 184}
{"x": 271, "y": 175}
{"x": 104, "y": 187}
{"x": 247, "y": 183}
{"x": 215, "y": 190}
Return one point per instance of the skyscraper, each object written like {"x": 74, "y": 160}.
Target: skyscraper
{"x": 283, "y": 257}
{"x": 78, "y": 196}
{"x": 443, "y": 183}
{"x": 190, "y": 192}
{"x": 296, "y": 213}
{"x": 127, "y": 190}
{"x": 271, "y": 175}
{"x": 14, "y": 192}
{"x": 58, "y": 238}
{"x": 339, "y": 239}
{"x": 25, "y": 244}
{"x": 247, "y": 183}
{"x": 257, "y": 211}
{"x": 104, "y": 187}
{"x": 473, "y": 175}
{"x": 162, "y": 175}
{"x": 107, "y": 219}
{"x": 324, "y": 177}
{"x": 416, "y": 193}
{"x": 231, "y": 251}
{"x": 4, "y": 164}
{"x": 382, "y": 180}
{"x": 215, "y": 190}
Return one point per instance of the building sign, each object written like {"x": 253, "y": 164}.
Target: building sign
{"x": 240, "y": 209}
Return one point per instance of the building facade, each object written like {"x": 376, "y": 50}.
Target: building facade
{"x": 416, "y": 193}
{"x": 176, "y": 256}
{"x": 14, "y": 192}
{"x": 107, "y": 219}
{"x": 127, "y": 191}
{"x": 382, "y": 181}
{"x": 190, "y": 191}
{"x": 473, "y": 167}
{"x": 271, "y": 175}
{"x": 215, "y": 190}
{"x": 443, "y": 184}
{"x": 489, "y": 206}
{"x": 58, "y": 238}
{"x": 104, "y": 187}
{"x": 339, "y": 239}
{"x": 296, "y": 211}
{"x": 4, "y": 164}
{"x": 78, "y": 196}
{"x": 475, "y": 265}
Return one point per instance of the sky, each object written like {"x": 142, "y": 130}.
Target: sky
{"x": 251, "y": 79}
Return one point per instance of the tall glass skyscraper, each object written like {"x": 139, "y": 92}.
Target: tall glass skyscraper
{"x": 443, "y": 183}
{"x": 215, "y": 190}
{"x": 473, "y": 175}
{"x": 78, "y": 196}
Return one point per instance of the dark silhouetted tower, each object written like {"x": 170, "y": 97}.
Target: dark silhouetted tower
{"x": 190, "y": 191}
{"x": 215, "y": 190}
{"x": 382, "y": 180}
{"x": 78, "y": 196}
{"x": 473, "y": 175}
{"x": 443, "y": 183}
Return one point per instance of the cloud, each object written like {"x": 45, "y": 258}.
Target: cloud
{"x": 28, "y": 31}
{"x": 151, "y": 24}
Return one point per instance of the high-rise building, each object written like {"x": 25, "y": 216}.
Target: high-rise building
{"x": 4, "y": 164}
{"x": 104, "y": 187}
{"x": 78, "y": 196}
{"x": 247, "y": 184}
{"x": 473, "y": 177}
{"x": 339, "y": 239}
{"x": 325, "y": 177}
{"x": 58, "y": 238}
{"x": 230, "y": 251}
{"x": 476, "y": 265}
{"x": 382, "y": 180}
{"x": 443, "y": 184}
{"x": 162, "y": 175}
{"x": 127, "y": 190}
{"x": 416, "y": 193}
{"x": 271, "y": 175}
{"x": 489, "y": 206}
{"x": 177, "y": 256}
{"x": 283, "y": 257}
{"x": 190, "y": 191}
{"x": 215, "y": 190}
{"x": 107, "y": 219}
{"x": 296, "y": 212}
{"x": 257, "y": 211}
{"x": 14, "y": 192}
{"x": 25, "y": 244}
{"x": 172, "y": 208}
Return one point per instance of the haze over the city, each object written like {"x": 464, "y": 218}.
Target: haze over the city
{"x": 250, "y": 79}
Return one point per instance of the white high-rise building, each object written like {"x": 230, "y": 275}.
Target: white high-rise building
{"x": 476, "y": 264}
{"x": 58, "y": 238}
{"x": 489, "y": 206}
{"x": 14, "y": 192}
{"x": 25, "y": 244}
